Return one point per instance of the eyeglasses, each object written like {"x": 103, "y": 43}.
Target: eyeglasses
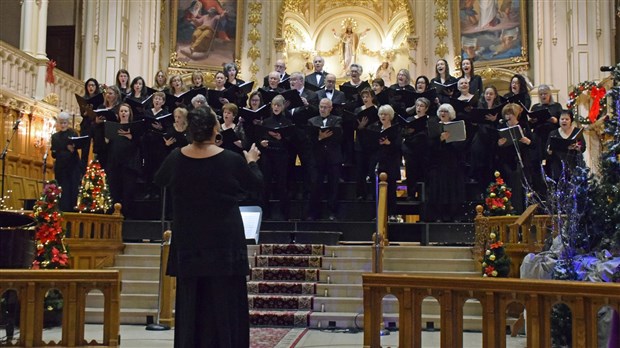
{"x": 278, "y": 66}
{"x": 330, "y": 81}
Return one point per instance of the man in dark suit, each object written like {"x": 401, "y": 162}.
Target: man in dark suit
{"x": 272, "y": 89}
{"x": 330, "y": 92}
{"x": 317, "y": 77}
{"x": 353, "y": 100}
{"x": 280, "y": 68}
{"x": 325, "y": 134}
{"x": 301, "y": 144}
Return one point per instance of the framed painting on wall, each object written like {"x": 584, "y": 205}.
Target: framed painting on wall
{"x": 492, "y": 31}
{"x": 206, "y": 33}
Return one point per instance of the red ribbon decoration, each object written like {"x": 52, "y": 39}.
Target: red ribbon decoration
{"x": 49, "y": 76}
{"x": 596, "y": 94}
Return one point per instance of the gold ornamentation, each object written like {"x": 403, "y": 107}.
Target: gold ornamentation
{"x": 52, "y": 99}
{"x": 441, "y": 32}
{"x": 457, "y": 64}
{"x": 323, "y": 6}
{"x": 254, "y": 36}
{"x": 280, "y": 44}
{"x": 523, "y": 57}
{"x": 348, "y": 23}
{"x": 412, "y": 41}
{"x": 175, "y": 62}
{"x": 489, "y": 73}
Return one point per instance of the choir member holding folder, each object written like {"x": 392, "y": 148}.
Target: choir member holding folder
{"x": 92, "y": 98}
{"x": 274, "y": 147}
{"x": 233, "y": 137}
{"x": 325, "y": 134}
{"x": 486, "y": 116}
{"x": 515, "y": 145}
{"x": 67, "y": 162}
{"x": 446, "y": 186}
{"x": 123, "y": 161}
{"x": 104, "y": 112}
{"x": 252, "y": 116}
{"x": 366, "y": 144}
{"x": 176, "y": 134}
{"x": 157, "y": 119}
{"x": 565, "y": 147}
{"x": 443, "y": 82}
{"x": 389, "y": 155}
{"x": 415, "y": 138}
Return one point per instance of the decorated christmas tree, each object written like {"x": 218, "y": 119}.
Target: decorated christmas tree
{"x": 498, "y": 197}
{"x": 52, "y": 252}
{"x": 94, "y": 194}
{"x": 495, "y": 263}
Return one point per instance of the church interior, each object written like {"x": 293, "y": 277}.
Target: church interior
{"x": 528, "y": 196}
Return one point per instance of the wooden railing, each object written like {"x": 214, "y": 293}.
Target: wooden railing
{"x": 520, "y": 234}
{"x": 94, "y": 239}
{"x": 538, "y": 297}
{"x": 31, "y": 286}
{"x": 167, "y": 285}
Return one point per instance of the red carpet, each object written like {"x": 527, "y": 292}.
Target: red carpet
{"x": 267, "y": 337}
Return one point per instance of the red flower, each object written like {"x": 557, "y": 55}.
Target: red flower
{"x": 496, "y": 245}
{"x": 489, "y": 270}
{"x": 508, "y": 194}
{"x": 499, "y": 181}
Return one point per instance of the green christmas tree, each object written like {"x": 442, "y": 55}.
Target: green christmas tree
{"x": 52, "y": 252}
{"x": 495, "y": 262}
{"x": 94, "y": 194}
{"x": 498, "y": 201}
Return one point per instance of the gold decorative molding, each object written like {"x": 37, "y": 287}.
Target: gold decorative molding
{"x": 175, "y": 62}
{"x": 441, "y": 31}
{"x": 254, "y": 19}
{"x": 323, "y": 6}
{"x": 412, "y": 41}
{"x": 280, "y": 44}
{"x": 52, "y": 99}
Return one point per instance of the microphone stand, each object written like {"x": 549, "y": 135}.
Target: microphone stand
{"x": 4, "y": 152}
{"x": 157, "y": 326}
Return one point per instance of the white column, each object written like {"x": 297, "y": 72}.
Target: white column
{"x": 29, "y": 25}
{"x": 42, "y": 29}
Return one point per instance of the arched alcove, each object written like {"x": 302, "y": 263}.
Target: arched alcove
{"x": 53, "y": 312}
{"x": 378, "y": 33}
{"x": 93, "y": 331}
{"x": 561, "y": 317}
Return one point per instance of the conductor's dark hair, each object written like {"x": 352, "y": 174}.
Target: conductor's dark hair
{"x": 201, "y": 124}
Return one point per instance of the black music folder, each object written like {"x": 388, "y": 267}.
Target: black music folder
{"x": 412, "y": 122}
{"x": 284, "y": 130}
{"x": 165, "y": 120}
{"x": 243, "y": 88}
{"x": 80, "y": 142}
{"x": 138, "y": 107}
{"x": 447, "y": 88}
{"x": 537, "y": 117}
{"x": 90, "y": 103}
{"x": 516, "y": 98}
{"x": 462, "y": 106}
{"x": 285, "y": 84}
{"x": 267, "y": 95}
{"x": 111, "y": 128}
{"x": 293, "y": 97}
{"x": 229, "y": 135}
{"x": 561, "y": 144}
{"x": 478, "y": 115}
{"x": 250, "y": 115}
{"x": 107, "y": 114}
{"x": 512, "y": 134}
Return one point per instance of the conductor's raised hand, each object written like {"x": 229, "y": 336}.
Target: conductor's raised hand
{"x": 252, "y": 155}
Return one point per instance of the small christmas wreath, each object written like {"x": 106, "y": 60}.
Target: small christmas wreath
{"x": 599, "y": 103}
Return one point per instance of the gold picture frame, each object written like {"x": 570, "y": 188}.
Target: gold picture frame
{"x": 492, "y": 32}
{"x": 195, "y": 43}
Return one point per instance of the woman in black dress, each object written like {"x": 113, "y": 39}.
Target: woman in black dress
{"x": 483, "y": 144}
{"x": 91, "y": 89}
{"x": 366, "y": 145}
{"x": 232, "y": 133}
{"x": 415, "y": 138}
{"x": 565, "y": 159}
{"x": 231, "y": 70}
{"x": 124, "y": 162}
{"x": 518, "y": 87}
{"x": 475, "y": 81}
{"x": 513, "y": 159}
{"x": 122, "y": 81}
{"x": 446, "y": 185}
{"x": 67, "y": 165}
{"x": 111, "y": 101}
{"x": 176, "y": 134}
{"x": 389, "y": 156}
{"x": 208, "y": 253}
{"x": 442, "y": 76}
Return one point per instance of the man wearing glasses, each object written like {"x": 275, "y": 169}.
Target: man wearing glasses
{"x": 280, "y": 67}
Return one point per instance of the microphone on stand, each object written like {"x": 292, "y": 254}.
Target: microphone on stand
{"x": 606, "y": 68}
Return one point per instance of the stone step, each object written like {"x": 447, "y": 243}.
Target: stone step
{"x": 128, "y": 260}
{"x": 134, "y": 301}
{"x": 131, "y": 286}
{"x": 138, "y": 273}
{"x": 153, "y": 249}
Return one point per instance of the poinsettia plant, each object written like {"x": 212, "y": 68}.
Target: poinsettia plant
{"x": 498, "y": 197}
{"x": 52, "y": 253}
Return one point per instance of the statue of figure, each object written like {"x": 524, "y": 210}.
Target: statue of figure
{"x": 386, "y": 72}
{"x": 349, "y": 41}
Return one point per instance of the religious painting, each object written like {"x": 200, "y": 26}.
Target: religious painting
{"x": 492, "y": 31}
{"x": 206, "y": 33}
